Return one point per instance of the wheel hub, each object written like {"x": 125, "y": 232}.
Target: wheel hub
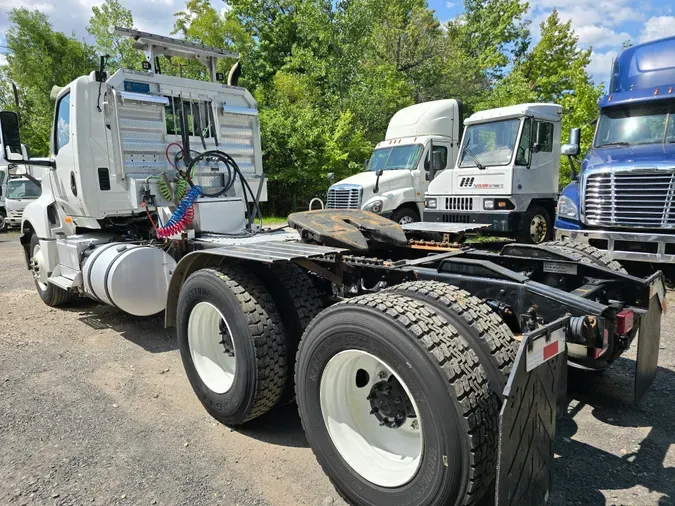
{"x": 389, "y": 403}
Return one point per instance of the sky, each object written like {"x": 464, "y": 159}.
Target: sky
{"x": 601, "y": 24}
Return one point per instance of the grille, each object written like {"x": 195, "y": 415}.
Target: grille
{"x": 344, "y": 198}
{"x": 459, "y": 203}
{"x": 631, "y": 199}
{"x": 455, "y": 218}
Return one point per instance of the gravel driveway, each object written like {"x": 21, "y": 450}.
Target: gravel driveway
{"x": 95, "y": 409}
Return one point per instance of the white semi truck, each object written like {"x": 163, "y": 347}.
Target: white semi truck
{"x": 398, "y": 172}
{"x": 506, "y": 175}
{"x": 411, "y": 390}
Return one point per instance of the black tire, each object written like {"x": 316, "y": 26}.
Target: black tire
{"x": 486, "y": 333}
{"x": 587, "y": 254}
{"x": 3, "y": 221}
{"x": 405, "y": 213}
{"x": 445, "y": 379}
{"x": 257, "y": 334}
{"x": 298, "y": 301}
{"x": 541, "y": 215}
{"x": 51, "y": 295}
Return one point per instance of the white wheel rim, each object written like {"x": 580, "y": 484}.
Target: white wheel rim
{"x": 214, "y": 359}
{"x": 406, "y": 220}
{"x": 538, "y": 228}
{"x": 388, "y": 457}
{"x": 37, "y": 265}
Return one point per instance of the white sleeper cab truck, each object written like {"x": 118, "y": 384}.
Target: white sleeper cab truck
{"x": 410, "y": 389}
{"x": 421, "y": 142}
{"x": 506, "y": 175}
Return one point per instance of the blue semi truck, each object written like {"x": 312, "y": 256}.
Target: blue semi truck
{"x": 622, "y": 200}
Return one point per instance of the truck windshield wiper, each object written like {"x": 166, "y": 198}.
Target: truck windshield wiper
{"x": 473, "y": 157}
{"x": 617, "y": 143}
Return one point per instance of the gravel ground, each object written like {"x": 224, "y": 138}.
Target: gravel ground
{"x": 95, "y": 409}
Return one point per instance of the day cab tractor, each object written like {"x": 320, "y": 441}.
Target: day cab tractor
{"x": 424, "y": 373}
{"x": 506, "y": 174}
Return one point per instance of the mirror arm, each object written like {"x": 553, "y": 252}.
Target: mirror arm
{"x": 37, "y": 182}
{"x": 40, "y": 163}
{"x": 572, "y": 168}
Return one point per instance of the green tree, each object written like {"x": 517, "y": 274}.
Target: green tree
{"x": 38, "y": 59}
{"x": 119, "y": 48}
{"x": 493, "y": 33}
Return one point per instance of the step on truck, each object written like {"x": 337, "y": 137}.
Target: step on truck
{"x": 424, "y": 373}
{"x": 506, "y": 175}
{"x": 620, "y": 201}
{"x": 397, "y": 174}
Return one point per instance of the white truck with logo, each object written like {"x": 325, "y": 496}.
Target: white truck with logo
{"x": 421, "y": 142}
{"x": 506, "y": 175}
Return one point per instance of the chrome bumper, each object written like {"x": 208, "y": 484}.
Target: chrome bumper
{"x": 616, "y": 250}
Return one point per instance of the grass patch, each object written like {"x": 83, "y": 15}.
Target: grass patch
{"x": 274, "y": 220}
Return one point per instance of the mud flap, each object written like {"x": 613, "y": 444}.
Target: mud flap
{"x": 649, "y": 340}
{"x": 528, "y": 415}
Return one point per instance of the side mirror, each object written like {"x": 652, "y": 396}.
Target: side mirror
{"x": 570, "y": 150}
{"x": 365, "y": 164}
{"x": 9, "y": 127}
{"x": 536, "y": 147}
{"x": 330, "y": 177}
{"x": 572, "y": 147}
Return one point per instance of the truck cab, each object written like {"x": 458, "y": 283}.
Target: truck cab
{"x": 621, "y": 199}
{"x": 397, "y": 174}
{"x": 18, "y": 193}
{"x": 506, "y": 174}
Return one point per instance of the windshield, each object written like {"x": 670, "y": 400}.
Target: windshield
{"x": 648, "y": 124}
{"x": 394, "y": 158}
{"x": 22, "y": 190}
{"x": 489, "y": 143}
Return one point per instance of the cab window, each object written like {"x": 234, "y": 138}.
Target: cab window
{"x": 544, "y": 137}
{"x": 62, "y": 127}
{"x": 444, "y": 155}
{"x": 524, "y": 154}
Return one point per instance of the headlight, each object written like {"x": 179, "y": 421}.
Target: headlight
{"x": 489, "y": 204}
{"x": 567, "y": 208}
{"x": 374, "y": 207}
{"x": 430, "y": 203}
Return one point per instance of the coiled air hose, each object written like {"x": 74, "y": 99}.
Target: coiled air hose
{"x": 182, "y": 216}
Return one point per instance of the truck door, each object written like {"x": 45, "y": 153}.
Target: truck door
{"x": 535, "y": 164}
{"x": 66, "y": 191}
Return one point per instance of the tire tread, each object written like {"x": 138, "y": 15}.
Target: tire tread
{"x": 266, "y": 328}
{"x": 460, "y": 365}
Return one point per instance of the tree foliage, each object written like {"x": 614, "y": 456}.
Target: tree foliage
{"x": 38, "y": 59}
{"x": 328, "y": 74}
{"x": 120, "y": 49}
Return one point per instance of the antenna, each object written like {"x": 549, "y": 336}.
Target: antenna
{"x": 155, "y": 45}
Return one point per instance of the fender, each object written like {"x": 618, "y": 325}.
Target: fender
{"x": 394, "y": 199}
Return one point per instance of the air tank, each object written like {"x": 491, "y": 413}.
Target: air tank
{"x": 131, "y": 277}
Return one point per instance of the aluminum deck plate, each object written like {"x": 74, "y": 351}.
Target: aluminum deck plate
{"x": 276, "y": 251}
{"x": 279, "y": 235}
{"x": 442, "y": 228}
